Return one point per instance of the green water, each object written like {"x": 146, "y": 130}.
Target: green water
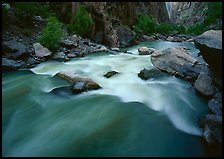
{"x": 128, "y": 117}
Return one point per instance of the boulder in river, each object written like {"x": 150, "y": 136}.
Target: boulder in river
{"x": 171, "y": 60}
{"x": 152, "y": 73}
{"x": 204, "y": 86}
{"x": 75, "y": 78}
{"x": 145, "y": 50}
{"x": 210, "y": 46}
{"x": 41, "y": 51}
{"x": 110, "y": 73}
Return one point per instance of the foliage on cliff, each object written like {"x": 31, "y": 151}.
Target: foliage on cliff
{"x": 51, "y": 34}
{"x": 82, "y": 22}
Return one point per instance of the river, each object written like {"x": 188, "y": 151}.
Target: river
{"x": 127, "y": 117}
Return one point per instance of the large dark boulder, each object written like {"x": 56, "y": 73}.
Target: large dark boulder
{"x": 204, "y": 85}
{"x": 15, "y": 50}
{"x": 173, "y": 61}
{"x": 10, "y": 65}
{"x": 210, "y": 46}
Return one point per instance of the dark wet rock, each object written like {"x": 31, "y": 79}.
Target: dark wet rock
{"x": 78, "y": 87}
{"x": 92, "y": 86}
{"x": 210, "y": 46}
{"x": 212, "y": 125}
{"x": 152, "y": 73}
{"x": 109, "y": 74}
{"x": 145, "y": 50}
{"x": 204, "y": 86}
{"x": 215, "y": 104}
{"x": 10, "y": 65}
{"x": 125, "y": 37}
{"x": 171, "y": 60}
{"x": 190, "y": 72}
{"x": 14, "y": 49}
{"x": 41, "y": 51}
{"x": 60, "y": 56}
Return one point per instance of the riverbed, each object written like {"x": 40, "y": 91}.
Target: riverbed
{"x": 127, "y": 117}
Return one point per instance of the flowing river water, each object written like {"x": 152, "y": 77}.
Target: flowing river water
{"x": 127, "y": 117}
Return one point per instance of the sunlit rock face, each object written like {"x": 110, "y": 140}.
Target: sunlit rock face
{"x": 108, "y": 16}
{"x": 187, "y": 13}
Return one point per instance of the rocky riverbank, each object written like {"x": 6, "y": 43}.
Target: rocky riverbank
{"x": 203, "y": 77}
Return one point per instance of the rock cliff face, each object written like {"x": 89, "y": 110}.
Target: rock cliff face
{"x": 108, "y": 16}
{"x": 187, "y": 13}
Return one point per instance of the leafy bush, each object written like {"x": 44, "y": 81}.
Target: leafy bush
{"x": 196, "y": 29}
{"x": 51, "y": 34}
{"x": 145, "y": 25}
{"x": 82, "y": 22}
{"x": 170, "y": 28}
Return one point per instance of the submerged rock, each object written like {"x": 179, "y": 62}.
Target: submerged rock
{"x": 109, "y": 74}
{"x": 41, "y": 51}
{"x": 204, "y": 85}
{"x": 145, "y": 50}
{"x": 210, "y": 46}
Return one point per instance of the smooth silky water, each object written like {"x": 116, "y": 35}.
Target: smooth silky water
{"x": 127, "y": 117}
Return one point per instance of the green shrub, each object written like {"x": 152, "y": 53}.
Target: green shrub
{"x": 214, "y": 12}
{"x": 33, "y": 8}
{"x": 146, "y": 25}
{"x": 170, "y": 28}
{"x": 196, "y": 29}
{"x": 51, "y": 34}
{"x": 82, "y": 22}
